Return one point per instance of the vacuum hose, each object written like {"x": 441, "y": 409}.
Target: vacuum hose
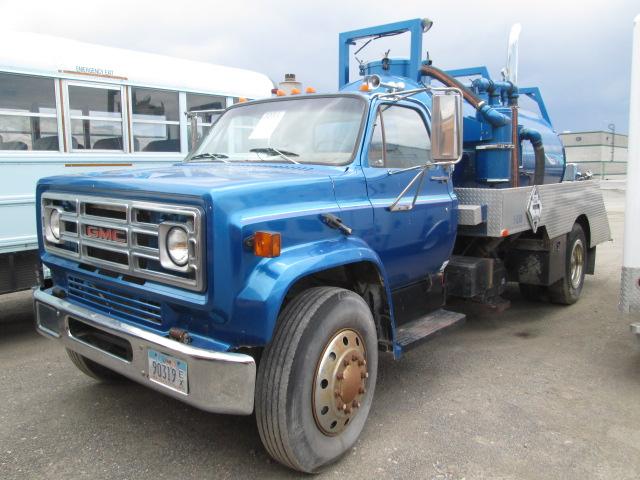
{"x": 490, "y": 114}
{"x": 496, "y": 119}
{"x": 535, "y": 138}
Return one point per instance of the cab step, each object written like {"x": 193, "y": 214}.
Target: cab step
{"x": 424, "y": 328}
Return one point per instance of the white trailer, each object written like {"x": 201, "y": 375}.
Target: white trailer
{"x": 630, "y": 282}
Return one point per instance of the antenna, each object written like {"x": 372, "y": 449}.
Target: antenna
{"x": 510, "y": 71}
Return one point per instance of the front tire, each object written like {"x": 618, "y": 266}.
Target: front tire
{"x": 567, "y": 291}
{"x": 93, "y": 369}
{"x": 316, "y": 378}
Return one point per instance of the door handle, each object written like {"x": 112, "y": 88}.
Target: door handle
{"x": 443, "y": 178}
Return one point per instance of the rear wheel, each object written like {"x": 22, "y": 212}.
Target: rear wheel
{"x": 316, "y": 379}
{"x": 567, "y": 291}
{"x": 93, "y": 369}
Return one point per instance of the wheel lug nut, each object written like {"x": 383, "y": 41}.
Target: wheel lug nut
{"x": 364, "y": 375}
{"x": 345, "y": 408}
{"x": 361, "y": 390}
{"x": 354, "y": 358}
{"x": 345, "y": 362}
{"x": 355, "y": 404}
{"x": 337, "y": 393}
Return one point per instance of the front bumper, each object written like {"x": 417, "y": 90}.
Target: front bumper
{"x": 221, "y": 382}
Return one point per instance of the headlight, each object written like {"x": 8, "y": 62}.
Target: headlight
{"x": 178, "y": 246}
{"x": 54, "y": 223}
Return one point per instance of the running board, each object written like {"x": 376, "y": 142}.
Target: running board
{"x": 424, "y": 328}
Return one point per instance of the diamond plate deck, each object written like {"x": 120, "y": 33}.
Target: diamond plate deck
{"x": 562, "y": 204}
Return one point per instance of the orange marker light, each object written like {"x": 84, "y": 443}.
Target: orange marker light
{"x": 364, "y": 87}
{"x": 242, "y": 100}
{"x": 280, "y": 93}
{"x": 504, "y": 232}
{"x": 295, "y": 91}
{"x": 310, "y": 90}
{"x": 266, "y": 244}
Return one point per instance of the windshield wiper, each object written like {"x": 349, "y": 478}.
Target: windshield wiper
{"x": 212, "y": 156}
{"x": 274, "y": 151}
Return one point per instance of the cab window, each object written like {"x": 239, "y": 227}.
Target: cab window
{"x": 318, "y": 130}
{"x": 400, "y": 139}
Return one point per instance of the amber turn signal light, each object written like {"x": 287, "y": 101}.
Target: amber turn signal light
{"x": 266, "y": 244}
{"x": 310, "y": 90}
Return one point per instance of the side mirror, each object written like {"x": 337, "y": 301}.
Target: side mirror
{"x": 446, "y": 126}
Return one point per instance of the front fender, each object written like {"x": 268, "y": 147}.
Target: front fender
{"x": 258, "y": 304}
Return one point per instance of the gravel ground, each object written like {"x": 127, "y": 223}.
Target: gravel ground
{"x": 540, "y": 391}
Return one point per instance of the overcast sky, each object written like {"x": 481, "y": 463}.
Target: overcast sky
{"x": 577, "y": 52}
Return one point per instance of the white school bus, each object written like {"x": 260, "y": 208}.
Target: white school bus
{"x": 69, "y": 107}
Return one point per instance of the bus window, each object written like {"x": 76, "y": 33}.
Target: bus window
{"x": 156, "y": 123}
{"x": 197, "y": 102}
{"x": 96, "y": 118}
{"x": 27, "y": 113}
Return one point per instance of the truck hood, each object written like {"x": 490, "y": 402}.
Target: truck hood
{"x": 195, "y": 179}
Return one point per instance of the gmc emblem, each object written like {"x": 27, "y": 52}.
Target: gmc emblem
{"x": 110, "y": 234}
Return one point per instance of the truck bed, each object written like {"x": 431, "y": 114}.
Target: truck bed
{"x": 502, "y": 212}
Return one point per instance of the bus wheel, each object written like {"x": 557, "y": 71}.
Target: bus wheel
{"x": 567, "y": 291}
{"x": 93, "y": 369}
{"x": 316, "y": 378}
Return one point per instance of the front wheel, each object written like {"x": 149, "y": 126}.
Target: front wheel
{"x": 316, "y": 379}
{"x": 93, "y": 369}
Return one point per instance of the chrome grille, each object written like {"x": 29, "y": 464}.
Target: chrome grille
{"x": 124, "y": 236}
{"x": 120, "y": 304}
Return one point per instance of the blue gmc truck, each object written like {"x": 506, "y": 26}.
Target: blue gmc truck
{"x": 306, "y": 234}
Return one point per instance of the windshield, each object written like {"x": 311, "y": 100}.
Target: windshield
{"x": 302, "y": 130}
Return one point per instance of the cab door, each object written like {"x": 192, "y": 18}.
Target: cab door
{"x": 411, "y": 242}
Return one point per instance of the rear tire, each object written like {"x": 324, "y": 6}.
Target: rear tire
{"x": 567, "y": 291}
{"x": 93, "y": 369}
{"x": 316, "y": 378}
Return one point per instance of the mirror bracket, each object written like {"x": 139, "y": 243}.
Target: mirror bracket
{"x": 446, "y": 142}
{"x": 418, "y": 178}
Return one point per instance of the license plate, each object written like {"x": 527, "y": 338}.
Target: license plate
{"x": 168, "y": 371}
